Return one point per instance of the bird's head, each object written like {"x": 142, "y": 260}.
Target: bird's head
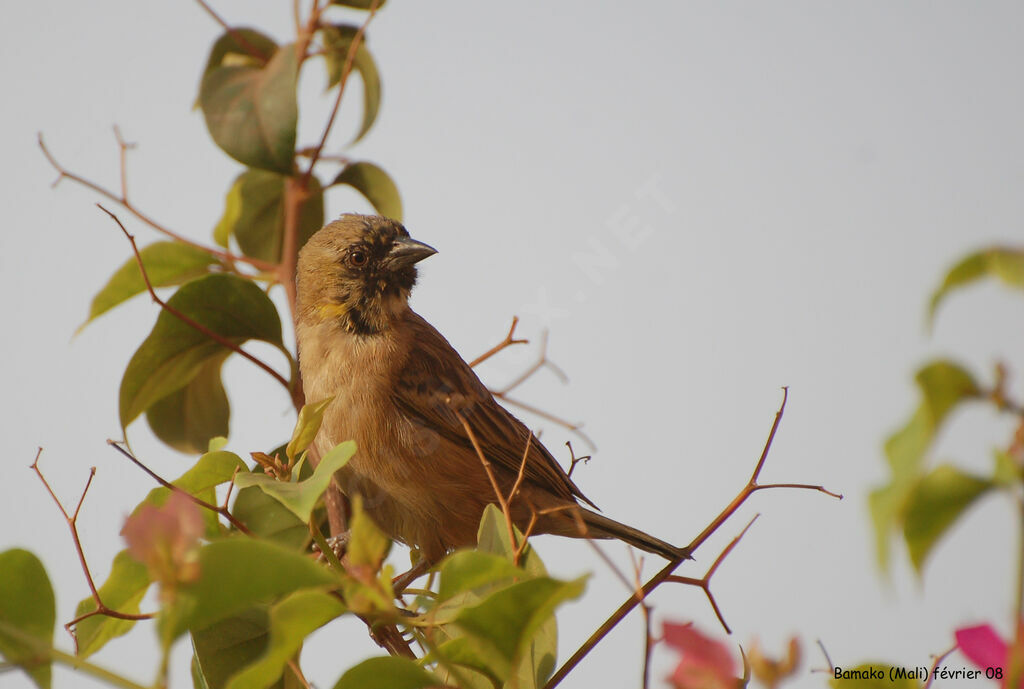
{"x": 358, "y": 271}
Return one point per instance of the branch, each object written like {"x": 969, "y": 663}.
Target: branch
{"x": 938, "y": 661}
{"x": 659, "y": 578}
{"x": 72, "y": 522}
{"x": 125, "y": 203}
{"x": 216, "y": 337}
{"x": 704, "y": 582}
{"x": 216, "y": 509}
{"x": 239, "y": 38}
{"x": 507, "y": 342}
{"x": 345, "y": 71}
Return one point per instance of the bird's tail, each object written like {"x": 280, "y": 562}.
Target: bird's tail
{"x": 600, "y": 526}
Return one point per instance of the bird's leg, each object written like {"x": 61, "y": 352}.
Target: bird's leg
{"x": 338, "y": 544}
{"x": 402, "y": 581}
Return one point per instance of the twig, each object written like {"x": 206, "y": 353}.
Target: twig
{"x": 345, "y": 71}
{"x": 122, "y": 148}
{"x": 125, "y": 203}
{"x": 931, "y": 673}
{"x": 573, "y": 459}
{"x": 222, "y": 511}
{"x": 217, "y": 337}
{"x": 542, "y": 361}
{"x": 575, "y": 428}
{"x": 704, "y": 583}
{"x": 831, "y": 666}
{"x": 645, "y": 610}
{"x": 72, "y": 522}
{"x": 509, "y": 340}
{"x": 239, "y": 38}
{"x": 659, "y": 578}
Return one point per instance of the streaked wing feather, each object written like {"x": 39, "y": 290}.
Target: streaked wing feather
{"x": 435, "y": 381}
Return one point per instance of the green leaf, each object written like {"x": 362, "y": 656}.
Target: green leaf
{"x": 123, "y": 590}
{"x": 254, "y": 214}
{"x": 374, "y": 184}
{"x": 492, "y": 537}
{"x": 225, "y": 648}
{"x": 367, "y": 544}
{"x": 236, "y": 574}
{"x": 864, "y": 683}
{"x": 1003, "y": 263}
{"x": 174, "y": 352}
{"x": 357, "y": 4}
{"x": 306, "y": 427}
{"x": 251, "y": 110}
{"x": 269, "y": 519}
{"x": 167, "y": 263}
{"x": 943, "y": 386}
{"x": 388, "y": 672}
{"x": 472, "y": 570}
{"x": 190, "y": 417}
{"x": 935, "y": 504}
{"x": 337, "y": 42}
{"x": 301, "y": 497}
{"x": 291, "y": 621}
{"x": 240, "y": 46}
{"x": 27, "y": 607}
{"x": 500, "y": 628}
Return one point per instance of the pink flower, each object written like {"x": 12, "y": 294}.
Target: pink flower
{"x": 987, "y": 651}
{"x": 166, "y": 539}
{"x": 706, "y": 663}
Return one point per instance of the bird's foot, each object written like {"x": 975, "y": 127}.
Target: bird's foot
{"x": 338, "y": 545}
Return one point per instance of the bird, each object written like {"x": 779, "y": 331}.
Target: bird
{"x": 420, "y": 417}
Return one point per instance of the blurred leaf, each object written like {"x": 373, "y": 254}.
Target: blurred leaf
{"x": 1007, "y": 472}
{"x": 337, "y": 42}
{"x": 123, "y": 590}
{"x": 301, "y": 497}
{"x": 254, "y": 214}
{"x": 167, "y": 263}
{"x": 358, "y": 4}
{"x": 190, "y": 417}
{"x": 174, "y": 352}
{"x": 374, "y": 184}
{"x": 291, "y": 621}
{"x": 1003, "y": 263}
{"x": 472, "y": 672}
{"x": 943, "y": 385}
{"x": 501, "y": 627}
{"x": 26, "y": 607}
{"x": 269, "y": 519}
{"x": 236, "y": 574}
{"x": 883, "y": 683}
{"x": 251, "y": 110}
{"x": 306, "y": 427}
{"x": 368, "y": 545}
{"x": 935, "y": 504}
{"x": 470, "y": 570}
{"x": 225, "y": 648}
{"x": 228, "y": 51}
{"x": 492, "y": 537}
{"x": 388, "y": 672}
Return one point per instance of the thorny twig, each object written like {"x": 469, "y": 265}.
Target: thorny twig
{"x": 217, "y": 337}
{"x": 509, "y": 340}
{"x": 574, "y": 460}
{"x": 123, "y": 200}
{"x": 72, "y": 522}
{"x": 216, "y": 509}
{"x": 704, "y": 583}
{"x": 645, "y": 610}
{"x": 659, "y": 578}
{"x": 938, "y": 661}
{"x": 346, "y": 70}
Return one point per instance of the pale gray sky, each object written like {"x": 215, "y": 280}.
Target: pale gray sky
{"x": 772, "y": 190}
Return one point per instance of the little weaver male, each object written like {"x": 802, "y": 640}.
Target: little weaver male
{"x": 406, "y": 396}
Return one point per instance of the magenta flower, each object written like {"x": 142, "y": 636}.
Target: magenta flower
{"x": 988, "y": 652}
{"x": 706, "y": 663}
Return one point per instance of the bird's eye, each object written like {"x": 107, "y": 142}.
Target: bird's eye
{"x": 357, "y": 258}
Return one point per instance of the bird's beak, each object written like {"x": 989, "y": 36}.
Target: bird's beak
{"x": 406, "y": 252}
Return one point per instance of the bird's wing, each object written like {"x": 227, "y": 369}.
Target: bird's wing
{"x": 435, "y": 382}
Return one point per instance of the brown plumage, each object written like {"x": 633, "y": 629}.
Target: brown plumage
{"x": 400, "y": 390}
